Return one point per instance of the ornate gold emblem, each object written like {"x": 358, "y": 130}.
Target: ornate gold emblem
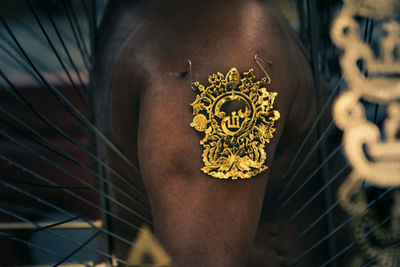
{"x": 374, "y": 159}
{"x": 373, "y": 152}
{"x": 234, "y": 144}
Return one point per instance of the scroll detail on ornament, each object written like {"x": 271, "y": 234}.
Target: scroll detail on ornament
{"x": 234, "y": 143}
{"x": 373, "y": 153}
{"x": 373, "y": 158}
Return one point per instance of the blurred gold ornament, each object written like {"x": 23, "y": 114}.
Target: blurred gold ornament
{"x": 147, "y": 251}
{"x": 374, "y": 155}
{"x": 373, "y": 159}
{"x": 381, "y": 85}
{"x": 234, "y": 144}
{"x": 375, "y": 9}
{"x": 377, "y": 237}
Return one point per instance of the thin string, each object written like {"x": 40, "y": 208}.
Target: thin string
{"x": 58, "y": 151}
{"x": 59, "y": 167}
{"x": 19, "y": 96}
{"x": 77, "y": 90}
{"x": 55, "y": 232}
{"x": 327, "y": 131}
{"x": 64, "y": 46}
{"x": 338, "y": 254}
{"x": 41, "y": 228}
{"x": 86, "y": 11}
{"x": 92, "y": 23}
{"x": 308, "y": 202}
{"x": 63, "y": 211}
{"x": 33, "y": 245}
{"x": 307, "y": 251}
{"x": 22, "y": 207}
{"x": 17, "y": 181}
{"x": 311, "y": 199}
{"x": 315, "y": 66}
{"x": 74, "y": 33}
{"x": 310, "y": 131}
{"x": 22, "y": 65}
{"x": 308, "y": 179}
{"x": 329, "y": 215}
{"x": 371, "y": 261}
{"x": 352, "y": 244}
{"x": 29, "y": 30}
{"x": 308, "y": 228}
{"x": 41, "y": 65}
{"x": 333, "y": 258}
{"x": 84, "y": 244}
{"x": 78, "y": 27}
{"x": 73, "y": 194}
{"x": 69, "y": 106}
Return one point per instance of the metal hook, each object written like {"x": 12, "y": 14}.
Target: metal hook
{"x": 190, "y": 74}
{"x": 256, "y": 56}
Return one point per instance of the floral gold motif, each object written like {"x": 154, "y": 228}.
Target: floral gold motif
{"x": 234, "y": 143}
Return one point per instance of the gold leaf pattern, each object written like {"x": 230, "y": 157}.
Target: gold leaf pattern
{"x": 234, "y": 143}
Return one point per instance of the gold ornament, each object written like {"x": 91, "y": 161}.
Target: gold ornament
{"x": 147, "y": 247}
{"x": 373, "y": 158}
{"x": 373, "y": 153}
{"x": 234, "y": 144}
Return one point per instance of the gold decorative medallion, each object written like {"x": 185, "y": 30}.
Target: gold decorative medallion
{"x": 234, "y": 144}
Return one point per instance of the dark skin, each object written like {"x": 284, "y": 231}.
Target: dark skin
{"x": 142, "y": 104}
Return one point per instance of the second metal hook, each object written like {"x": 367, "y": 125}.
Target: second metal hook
{"x": 190, "y": 74}
{"x": 267, "y": 77}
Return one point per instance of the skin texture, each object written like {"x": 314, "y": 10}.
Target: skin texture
{"x": 141, "y": 103}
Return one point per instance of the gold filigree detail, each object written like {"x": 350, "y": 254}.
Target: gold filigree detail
{"x": 234, "y": 144}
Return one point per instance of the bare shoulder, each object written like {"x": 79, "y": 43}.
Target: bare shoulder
{"x": 141, "y": 59}
{"x": 215, "y": 36}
